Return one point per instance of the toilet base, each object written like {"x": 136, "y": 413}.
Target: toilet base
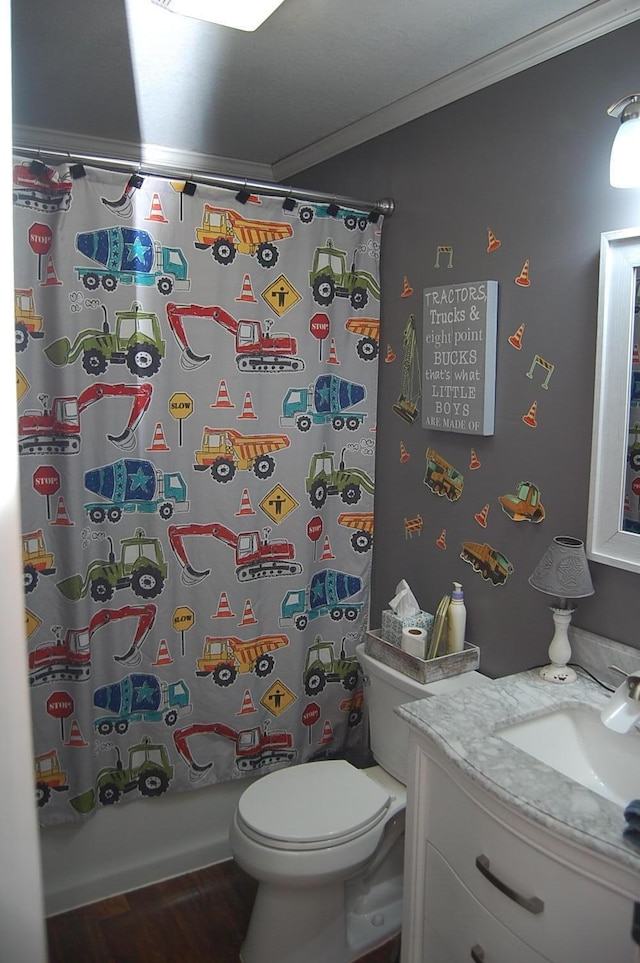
{"x": 309, "y": 925}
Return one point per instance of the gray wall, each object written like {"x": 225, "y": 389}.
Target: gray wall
{"x": 527, "y": 158}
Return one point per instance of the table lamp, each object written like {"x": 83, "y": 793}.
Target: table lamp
{"x": 563, "y": 572}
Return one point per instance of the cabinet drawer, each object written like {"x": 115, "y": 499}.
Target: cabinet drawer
{"x": 459, "y": 929}
{"x": 573, "y": 916}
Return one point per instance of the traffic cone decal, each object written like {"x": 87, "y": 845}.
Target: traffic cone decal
{"x": 404, "y": 454}
{"x": 530, "y": 417}
{"x": 475, "y": 461}
{"x": 164, "y": 656}
{"x": 75, "y": 736}
{"x": 627, "y": 503}
{"x": 247, "y": 407}
{"x": 326, "y": 550}
{"x": 493, "y": 242}
{"x": 327, "y": 734}
{"x": 222, "y": 399}
{"x": 247, "y": 704}
{"x": 50, "y": 276}
{"x": 156, "y": 213}
{"x": 248, "y": 618}
{"x": 246, "y": 294}
{"x": 62, "y": 516}
{"x": 390, "y": 356}
{"x": 333, "y": 356}
{"x": 158, "y": 442}
{"x": 515, "y": 340}
{"x": 523, "y": 277}
{"x": 246, "y": 508}
{"x": 224, "y": 610}
{"x": 407, "y": 290}
{"x": 441, "y": 542}
{"x": 636, "y": 354}
{"x": 481, "y": 517}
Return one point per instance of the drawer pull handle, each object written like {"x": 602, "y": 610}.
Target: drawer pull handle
{"x": 531, "y": 903}
{"x": 477, "y": 954}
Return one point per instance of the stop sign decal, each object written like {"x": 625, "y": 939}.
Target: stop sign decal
{"x": 314, "y": 528}
{"x": 46, "y": 480}
{"x": 319, "y": 326}
{"x": 60, "y": 706}
{"x": 40, "y": 238}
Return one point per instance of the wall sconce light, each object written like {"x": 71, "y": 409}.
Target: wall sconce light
{"x": 562, "y": 571}
{"x": 624, "y": 169}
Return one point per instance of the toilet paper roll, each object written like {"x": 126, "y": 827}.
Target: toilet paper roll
{"x": 414, "y": 641}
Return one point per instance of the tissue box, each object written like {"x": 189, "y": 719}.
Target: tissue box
{"x": 392, "y": 625}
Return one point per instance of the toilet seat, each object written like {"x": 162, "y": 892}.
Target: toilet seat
{"x": 313, "y": 806}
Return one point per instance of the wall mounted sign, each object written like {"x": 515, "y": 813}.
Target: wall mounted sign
{"x": 459, "y": 357}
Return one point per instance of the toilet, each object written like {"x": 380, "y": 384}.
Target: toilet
{"x": 325, "y": 840}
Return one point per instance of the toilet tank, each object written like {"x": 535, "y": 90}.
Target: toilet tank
{"x": 388, "y": 688}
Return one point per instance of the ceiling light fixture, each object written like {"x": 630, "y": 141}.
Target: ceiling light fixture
{"x": 238, "y": 14}
{"x": 624, "y": 170}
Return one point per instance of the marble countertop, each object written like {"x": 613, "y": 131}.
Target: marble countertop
{"x": 463, "y": 726}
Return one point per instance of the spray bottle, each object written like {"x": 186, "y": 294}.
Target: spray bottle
{"x": 456, "y": 619}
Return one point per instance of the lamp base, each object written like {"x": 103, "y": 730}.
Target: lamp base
{"x": 558, "y": 673}
{"x": 560, "y": 649}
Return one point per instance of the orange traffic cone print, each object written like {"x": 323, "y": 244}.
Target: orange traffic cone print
{"x": 481, "y": 517}
{"x": 156, "y": 213}
{"x": 247, "y": 407}
{"x": 327, "y": 734}
{"x": 224, "y": 610}
{"x": 50, "y": 276}
{"x": 493, "y": 242}
{"x": 326, "y": 550}
{"x": 475, "y": 461}
{"x": 523, "y": 277}
{"x": 62, "y": 516}
{"x": 636, "y": 355}
{"x": 247, "y": 704}
{"x": 248, "y": 618}
{"x": 246, "y": 294}
{"x": 333, "y": 356}
{"x": 530, "y": 417}
{"x": 404, "y": 454}
{"x": 390, "y": 356}
{"x": 515, "y": 340}
{"x": 158, "y": 442}
{"x": 76, "y": 738}
{"x": 164, "y": 656}
{"x": 222, "y": 398}
{"x": 441, "y": 542}
{"x": 246, "y": 508}
{"x": 407, "y": 290}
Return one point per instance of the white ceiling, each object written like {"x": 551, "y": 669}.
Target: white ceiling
{"x": 318, "y": 77}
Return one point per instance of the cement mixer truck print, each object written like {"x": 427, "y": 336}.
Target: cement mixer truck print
{"x": 127, "y": 255}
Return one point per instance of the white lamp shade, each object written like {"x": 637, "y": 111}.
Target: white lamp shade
{"x": 239, "y": 14}
{"x": 624, "y": 170}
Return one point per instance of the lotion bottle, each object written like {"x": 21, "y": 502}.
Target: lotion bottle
{"x": 456, "y": 620}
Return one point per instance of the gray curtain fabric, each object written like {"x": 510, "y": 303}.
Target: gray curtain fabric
{"x": 196, "y": 401}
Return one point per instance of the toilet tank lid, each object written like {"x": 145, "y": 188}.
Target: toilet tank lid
{"x": 313, "y": 802}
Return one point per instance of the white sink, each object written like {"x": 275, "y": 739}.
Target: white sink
{"x": 575, "y": 742}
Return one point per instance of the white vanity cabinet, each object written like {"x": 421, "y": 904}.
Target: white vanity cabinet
{"x": 486, "y": 883}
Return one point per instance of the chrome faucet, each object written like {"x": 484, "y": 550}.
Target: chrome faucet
{"x": 623, "y": 709}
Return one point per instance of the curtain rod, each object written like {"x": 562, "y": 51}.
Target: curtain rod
{"x": 385, "y": 206}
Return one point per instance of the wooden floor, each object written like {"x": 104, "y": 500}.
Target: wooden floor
{"x": 197, "y": 918}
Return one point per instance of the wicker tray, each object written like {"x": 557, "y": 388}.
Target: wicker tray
{"x": 422, "y": 670}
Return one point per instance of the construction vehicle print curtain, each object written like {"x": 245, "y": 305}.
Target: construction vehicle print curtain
{"x": 196, "y": 384}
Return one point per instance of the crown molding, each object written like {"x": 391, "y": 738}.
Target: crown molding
{"x": 596, "y": 20}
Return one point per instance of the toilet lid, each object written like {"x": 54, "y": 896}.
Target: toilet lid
{"x": 314, "y": 805}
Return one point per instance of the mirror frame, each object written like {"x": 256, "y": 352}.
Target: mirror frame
{"x": 606, "y": 542}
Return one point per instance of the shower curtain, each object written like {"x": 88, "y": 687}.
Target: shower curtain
{"x": 196, "y": 379}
